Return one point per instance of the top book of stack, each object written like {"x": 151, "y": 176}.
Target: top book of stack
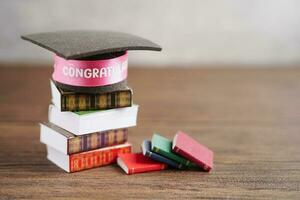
{"x": 73, "y": 101}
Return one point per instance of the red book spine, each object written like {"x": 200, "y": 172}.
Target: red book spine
{"x": 146, "y": 169}
{"x": 189, "y": 157}
{"x": 87, "y": 160}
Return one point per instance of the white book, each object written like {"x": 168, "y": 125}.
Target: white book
{"x": 80, "y": 124}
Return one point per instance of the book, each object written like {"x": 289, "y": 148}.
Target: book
{"x": 191, "y": 149}
{"x": 68, "y": 143}
{"x": 71, "y": 101}
{"x": 146, "y": 148}
{"x": 163, "y": 146}
{"x": 133, "y": 163}
{"x": 86, "y": 122}
{"x": 87, "y": 160}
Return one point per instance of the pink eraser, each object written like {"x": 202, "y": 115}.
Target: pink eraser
{"x": 191, "y": 149}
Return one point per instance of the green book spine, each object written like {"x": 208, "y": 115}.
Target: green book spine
{"x": 84, "y": 102}
{"x": 174, "y": 157}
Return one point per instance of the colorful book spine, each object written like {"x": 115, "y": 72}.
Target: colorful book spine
{"x": 97, "y": 140}
{"x": 82, "y": 102}
{"x": 173, "y": 156}
{"x": 96, "y": 158}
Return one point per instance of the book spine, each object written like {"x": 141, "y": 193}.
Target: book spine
{"x": 97, "y": 140}
{"x": 162, "y": 159}
{"x": 87, "y": 160}
{"x": 85, "y": 102}
{"x": 172, "y": 156}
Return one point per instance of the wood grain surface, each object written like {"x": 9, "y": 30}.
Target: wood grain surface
{"x": 250, "y": 118}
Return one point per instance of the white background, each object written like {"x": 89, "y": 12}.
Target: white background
{"x": 245, "y": 33}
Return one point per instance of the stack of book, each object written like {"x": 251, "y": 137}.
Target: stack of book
{"x": 87, "y": 130}
{"x": 183, "y": 152}
{"x": 91, "y": 107}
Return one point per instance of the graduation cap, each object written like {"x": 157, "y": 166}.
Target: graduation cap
{"x": 90, "y": 61}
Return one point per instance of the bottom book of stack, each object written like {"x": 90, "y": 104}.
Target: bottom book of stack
{"x": 75, "y": 153}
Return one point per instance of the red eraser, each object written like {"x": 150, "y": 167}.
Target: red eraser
{"x": 191, "y": 149}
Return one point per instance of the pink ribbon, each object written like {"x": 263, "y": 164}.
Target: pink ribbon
{"x": 90, "y": 73}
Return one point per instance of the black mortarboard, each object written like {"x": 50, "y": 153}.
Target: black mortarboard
{"x": 83, "y": 44}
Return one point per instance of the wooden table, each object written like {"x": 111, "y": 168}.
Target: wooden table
{"x": 250, "y": 118}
